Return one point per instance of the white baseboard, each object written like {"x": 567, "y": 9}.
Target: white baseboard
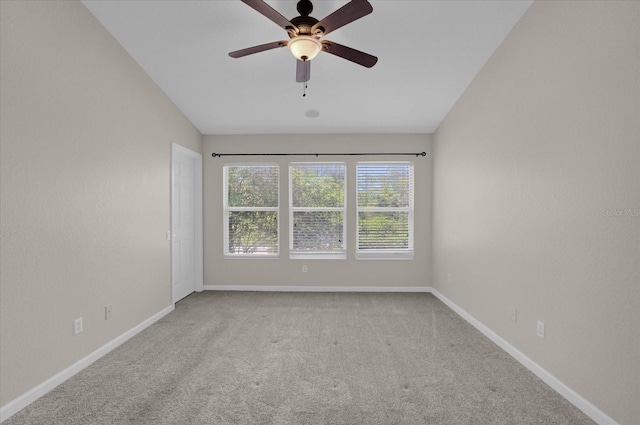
{"x": 35, "y": 393}
{"x": 287, "y": 288}
{"x": 574, "y": 398}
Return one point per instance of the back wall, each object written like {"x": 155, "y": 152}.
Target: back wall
{"x": 284, "y": 271}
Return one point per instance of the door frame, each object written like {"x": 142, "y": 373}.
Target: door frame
{"x": 176, "y": 149}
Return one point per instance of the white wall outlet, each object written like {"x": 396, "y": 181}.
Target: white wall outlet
{"x": 304, "y": 268}
{"x": 77, "y": 326}
{"x": 513, "y": 314}
{"x": 540, "y": 329}
{"x": 168, "y": 235}
{"x": 107, "y": 312}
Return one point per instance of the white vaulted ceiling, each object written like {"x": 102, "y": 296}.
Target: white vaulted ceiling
{"x": 428, "y": 53}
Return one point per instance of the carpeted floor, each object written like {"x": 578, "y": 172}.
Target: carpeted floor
{"x": 305, "y": 358}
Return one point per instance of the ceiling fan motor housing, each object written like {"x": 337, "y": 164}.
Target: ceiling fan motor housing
{"x": 304, "y": 25}
{"x": 304, "y": 22}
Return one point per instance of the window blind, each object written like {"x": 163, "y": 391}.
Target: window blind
{"x": 317, "y": 210}
{"x": 384, "y": 210}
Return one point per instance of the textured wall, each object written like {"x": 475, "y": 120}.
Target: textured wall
{"x": 283, "y": 271}
{"x": 85, "y": 144}
{"x": 537, "y": 197}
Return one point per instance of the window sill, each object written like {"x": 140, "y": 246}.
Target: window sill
{"x": 251, "y": 256}
{"x": 317, "y": 256}
{"x": 406, "y": 256}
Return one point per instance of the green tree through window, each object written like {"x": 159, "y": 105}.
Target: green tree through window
{"x": 251, "y": 209}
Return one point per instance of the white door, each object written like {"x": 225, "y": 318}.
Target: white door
{"x": 186, "y": 222}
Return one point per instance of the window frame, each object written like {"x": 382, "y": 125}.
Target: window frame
{"x": 392, "y": 253}
{"x": 317, "y": 254}
{"x": 228, "y": 209}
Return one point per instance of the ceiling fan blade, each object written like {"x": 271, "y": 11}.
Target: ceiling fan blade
{"x": 257, "y": 49}
{"x": 269, "y": 12}
{"x": 353, "y": 55}
{"x": 348, "y": 13}
{"x": 303, "y": 71}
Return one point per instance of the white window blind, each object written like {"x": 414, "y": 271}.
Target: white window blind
{"x": 384, "y": 210}
{"x": 317, "y": 210}
{"x": 251, "y": 210}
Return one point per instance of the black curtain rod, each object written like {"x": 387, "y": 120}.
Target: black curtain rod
{"x": 319, "y": 154}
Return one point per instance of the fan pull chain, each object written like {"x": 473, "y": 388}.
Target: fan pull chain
{"x": 306, "y": 79}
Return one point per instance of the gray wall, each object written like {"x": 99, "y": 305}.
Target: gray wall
{"x": 283, "y": 271}
{"x": 537, "y": 197}
{"x": 85, "y": 162}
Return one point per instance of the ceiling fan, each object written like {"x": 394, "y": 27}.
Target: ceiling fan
{"x": 305, "y": 32}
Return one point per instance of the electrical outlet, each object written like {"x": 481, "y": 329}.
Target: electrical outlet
{"x": 540, "y": 329}
{"x": 304, "y": 268}
{"x": 77, "y": 326}
{"x": 107, "y": 312}
{"x": 513, "y": 314}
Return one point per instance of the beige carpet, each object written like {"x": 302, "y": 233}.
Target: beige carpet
{"x": 305, "y": 358}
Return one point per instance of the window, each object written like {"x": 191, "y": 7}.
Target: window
{"x": 251, "y": 210}
{"x": 384, "y": 210}
{"x": 317, "y": 210}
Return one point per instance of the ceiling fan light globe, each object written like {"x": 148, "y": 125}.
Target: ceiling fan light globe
{"x": 304, "y": 47}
